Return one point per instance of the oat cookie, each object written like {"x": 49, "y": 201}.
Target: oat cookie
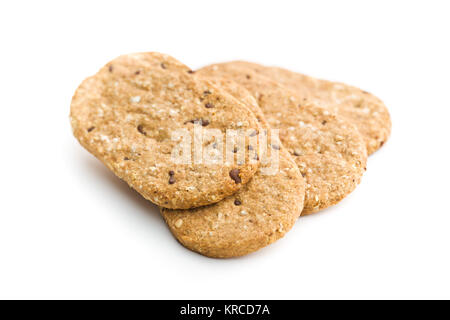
{"x": 260, "y": 213}
{"x": 328, "y": 150}
{"x": 364, "y": 110}
{"x": 125, "y": 115}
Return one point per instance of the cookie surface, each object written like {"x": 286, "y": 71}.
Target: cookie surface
{"x": 364, "y": 110}
{"x": 328, "y": 150}
{"x": 260, "y": 213}
{"x": 126, "y": 114}
{"x": 241, "y": 94}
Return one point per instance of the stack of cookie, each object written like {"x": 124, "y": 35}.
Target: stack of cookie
{"x": 232, "y": 153}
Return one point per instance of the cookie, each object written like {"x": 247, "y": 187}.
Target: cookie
{"x": 260, "y": 213}
{"x": 126, "y": 116}
{"x": 328, "y": 150}
{"x": 364, "y": 110}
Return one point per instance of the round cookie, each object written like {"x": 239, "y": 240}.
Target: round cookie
{"x": 260, "y": 213}
{"x": 329, "y": 151}
{"x": 126, "y": 114}
{"x": 364, "y": 110}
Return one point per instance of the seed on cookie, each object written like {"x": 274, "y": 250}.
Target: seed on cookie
{"x": 163, "y": 65}
{"x": 234, "y": 174}
{"x": 209, "y": 105}
{"x": 90, "y": 129}
{"x": 171, "y": 177}
{"x": 202, "y": 122}
{"x": 140, "y": 128}
{"x": 178, "y": 223}
{"x": 237, "y": 202}
{"x": 135, "y": 99}
{"x": 275, "y": 146}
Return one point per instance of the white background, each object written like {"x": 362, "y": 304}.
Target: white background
{"x": 70, "y": 229}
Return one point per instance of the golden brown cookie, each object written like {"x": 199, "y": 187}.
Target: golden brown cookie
{"x": 126, "y": 114}
{"x": 260, "y": 213}
{"x": 329, "y": 151}
{"x": 364, "y": 110}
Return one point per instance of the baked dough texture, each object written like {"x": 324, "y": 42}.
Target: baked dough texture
{"x": 328, "y": 150}
{"x": 125, "y": 116}
{"x": 361, "y": 108}
{"x": 260, "y": 213}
